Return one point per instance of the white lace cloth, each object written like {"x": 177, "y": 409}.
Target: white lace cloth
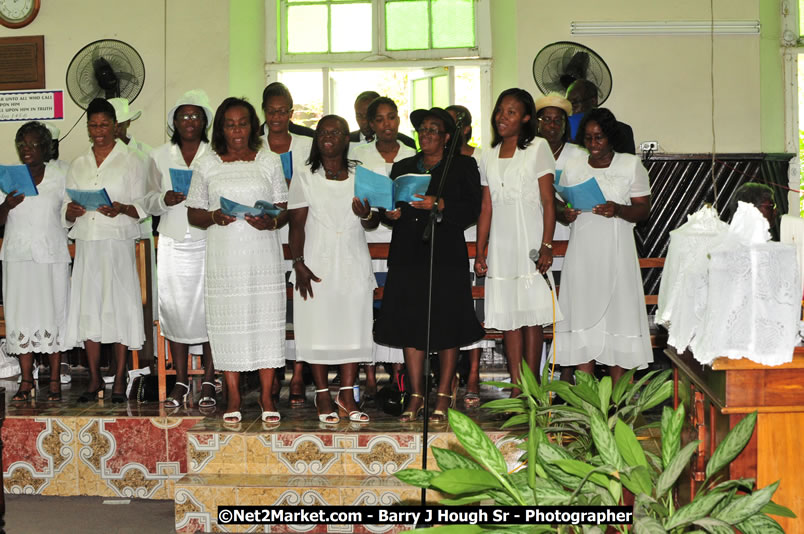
{"x": 684, "y": 287}
{"x": 754, "y": 296}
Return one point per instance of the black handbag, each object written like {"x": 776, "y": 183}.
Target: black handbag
{"x": 393, "y": 398}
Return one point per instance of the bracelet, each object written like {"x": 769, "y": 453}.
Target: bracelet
{"x": 370, "y": 216}
{"x": 297, "y": 260}
{"x": 212, "y": 215}
{"x": 546, "y": 244}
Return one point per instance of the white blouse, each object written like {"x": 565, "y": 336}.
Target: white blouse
{"x": 123, "y": 174}
{"x": 173, "y": 219}
{"x": 300, "y": 146}
{"x": 33, "y": 229}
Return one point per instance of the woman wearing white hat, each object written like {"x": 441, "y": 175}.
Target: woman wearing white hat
{"x": 182, "y": 247}
{"x": 125, "y": 116}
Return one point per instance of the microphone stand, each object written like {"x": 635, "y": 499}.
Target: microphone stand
{"x": 429, "y": 236}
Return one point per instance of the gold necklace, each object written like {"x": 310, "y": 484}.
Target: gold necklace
{"x": 557, "y": 151}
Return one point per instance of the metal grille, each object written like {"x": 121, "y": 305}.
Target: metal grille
{"x": 681, "y": 184}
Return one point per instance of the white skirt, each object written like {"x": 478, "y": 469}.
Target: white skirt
{"x": 180, "y": 271}
{"x": 105, "y": 298}
{"x": 35, "y": 297}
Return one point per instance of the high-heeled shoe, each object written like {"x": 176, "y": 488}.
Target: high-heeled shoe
{"x": 206, "y": 402}
{"x": 356, "y": 416}
{"x": 54, "y": 395}
{"x": 91, "y": 395}
{"x": 409, "y": 416}
{"x": 440, "y": 416}
{"x": 269, "y": 417}
{"x": 330, "y": 418}
{"x": 24, "y": 395}
{"x": 171, "y": 401}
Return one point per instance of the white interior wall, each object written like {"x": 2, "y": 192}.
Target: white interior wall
{"x": 661, "y": 83}
{"x": 196, "y": 55}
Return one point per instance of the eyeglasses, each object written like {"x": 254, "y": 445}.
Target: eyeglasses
{"x": 23, "y": 144}
{"x": 433, "y": 132}
{"x": 280, "y": 112}
{"x": 558, "y": 121}
{"x": 330, "y": 133}
{"x": 189, "y": 117}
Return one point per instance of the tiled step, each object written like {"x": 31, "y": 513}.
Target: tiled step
{"x": 303, "y": 447}
{"x": 198, "y": 496}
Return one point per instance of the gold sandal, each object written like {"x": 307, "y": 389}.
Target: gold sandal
{"x": 409, "y": 416}
{"x": 440, "y": 416}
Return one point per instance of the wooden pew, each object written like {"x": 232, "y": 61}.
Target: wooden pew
{"x": 380, "y": 251}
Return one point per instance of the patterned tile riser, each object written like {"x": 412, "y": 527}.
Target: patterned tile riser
{"x": 322, "y": 454}
{"x": 112, "y": 456}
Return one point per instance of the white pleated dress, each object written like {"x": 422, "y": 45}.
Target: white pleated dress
{"x": 36, "y": 268}
{"x": 245, "y": 294}
{"x": 516, "y": 293}
{"x": 181, "y": 257}
{"x": 370, "y": 158}
{"x": 601, "y": 283}
{"x": 335, "y": 325}
{"x": 105, "y": 297}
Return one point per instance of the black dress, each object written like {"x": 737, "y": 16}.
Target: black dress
{"x": 403, "y": 316}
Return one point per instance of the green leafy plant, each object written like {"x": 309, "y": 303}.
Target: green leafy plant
{"x": 615, "y": 461}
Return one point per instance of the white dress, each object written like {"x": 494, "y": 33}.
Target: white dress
{"x": 516, "y": 293}
{"x": 105, "y": 298}
{"x": 181, "y": 257}
{"x": 370, "y": 158}
{"x": 562, "y": 232}
{"x": 335, "y": 326}
{"x": 300, "y": 146}
{"x": 601, "y": 283}
{"x": 245, "y": 283}
{"x": 36, "y": 268}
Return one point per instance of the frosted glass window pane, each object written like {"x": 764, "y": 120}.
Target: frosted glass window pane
{"x": 307, "y": 90}
{"x": 406, "y": 25}
{"x": 440, "y": 92}
{"x": 421, "y": 93}
{"x": 307, "y": 29}
{"x": 467, "y": 93}
{"x": 351, "y": 28}
{"x": 453, "y": 24}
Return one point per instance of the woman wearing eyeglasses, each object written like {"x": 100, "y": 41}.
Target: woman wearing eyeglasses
{"x": 277, "y": 105}
{"x": 182, "y": 247}
{"x": 518, "y": 216}
{"x": 334, "y": 282}
{"x": 244, "y": 290}
{"x": 403, "y": 317}
{"x": 36, "y": 262}
{"x": 606, "y": 321}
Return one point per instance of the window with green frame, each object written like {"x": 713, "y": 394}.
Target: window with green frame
{"x": 377, "y": 26}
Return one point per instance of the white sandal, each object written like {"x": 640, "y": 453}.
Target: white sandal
{"x": 207, "y": 402}
{"x": 232, "y": 417}
{"x": 174, "y": 403}
{"x": 356, "y": 416}
{"x": 330, "y": 418}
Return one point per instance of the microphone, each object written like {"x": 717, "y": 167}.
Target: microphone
{"x": 460, "y": 118}
{"x": 534, "y": 257}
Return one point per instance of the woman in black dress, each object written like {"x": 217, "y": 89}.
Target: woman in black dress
{"x": 403, "y": 318}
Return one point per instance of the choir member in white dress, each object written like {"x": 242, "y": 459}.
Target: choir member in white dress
{"x": 36, "y": 262}
{"x": 379, "y": 155}
{"x": 277, "y": 105}
{"x": 601, "y": 283}
{"x": 518, "y": 216}
{"x": 332, "y": 308}
{"x": 552, "y": 116}
{"x": 471, "y": 398}
{"x": 244, "y": 292}
{"x": 182, "y": 247}
{"x": 105, "y": 300}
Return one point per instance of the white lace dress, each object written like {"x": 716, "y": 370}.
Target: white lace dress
{"x": 601, "y": 284}
{"x": 245, "y": 283}
{"x": 36, "y": 268}
{"x": 335, "y": 325}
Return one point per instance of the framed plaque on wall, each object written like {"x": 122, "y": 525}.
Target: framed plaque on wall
{"x": 22, "y": 62}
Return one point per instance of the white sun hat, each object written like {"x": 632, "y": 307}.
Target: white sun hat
{"x": 194, "y": 97}
{"x": 122, "y": 110}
